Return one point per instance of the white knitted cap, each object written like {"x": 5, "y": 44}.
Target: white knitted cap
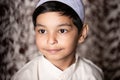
{"x": 76, "y": 5}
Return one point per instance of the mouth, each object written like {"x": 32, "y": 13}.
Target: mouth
{"x": 53, "y": 51}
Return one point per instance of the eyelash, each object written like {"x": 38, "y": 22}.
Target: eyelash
{"x": 63, "y": 30}
{"x": 43, "y": 31}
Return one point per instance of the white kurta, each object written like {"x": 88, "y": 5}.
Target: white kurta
{"x": 41, "y": 69}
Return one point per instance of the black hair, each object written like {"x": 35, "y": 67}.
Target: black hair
{"x": 55, "y": 6}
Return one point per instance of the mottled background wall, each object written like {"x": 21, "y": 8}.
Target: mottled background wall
{"x": 102, "y": 46}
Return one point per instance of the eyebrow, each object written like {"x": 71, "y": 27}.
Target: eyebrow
{"x": 65, "y": 24}
{"x": 40, "y": 25}
{"x": 60, "y": 25}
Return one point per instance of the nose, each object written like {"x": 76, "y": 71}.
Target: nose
{"x": 52, "y": 39}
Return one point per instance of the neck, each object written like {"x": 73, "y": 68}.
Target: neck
{"x": 64, "y": 63}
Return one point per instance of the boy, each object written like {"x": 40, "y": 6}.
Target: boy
{"x": 58, "y": 30}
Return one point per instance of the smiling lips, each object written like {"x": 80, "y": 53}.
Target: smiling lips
{"x": 53, "y": 51}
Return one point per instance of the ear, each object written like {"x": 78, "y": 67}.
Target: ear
{"x": 83, "y": 33}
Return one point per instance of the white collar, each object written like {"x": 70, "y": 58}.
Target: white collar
{"x": 50, "y": 72}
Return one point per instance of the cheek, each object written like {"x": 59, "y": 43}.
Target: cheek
{"x": 39, "y": 41}
{"x": 69, "y": 41}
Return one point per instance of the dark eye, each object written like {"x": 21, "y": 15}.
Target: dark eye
{"x": 42, "y": 31}
{"x": 62, "y": 31}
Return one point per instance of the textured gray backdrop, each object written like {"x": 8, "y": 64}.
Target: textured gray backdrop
{"x": 102, "y": 46}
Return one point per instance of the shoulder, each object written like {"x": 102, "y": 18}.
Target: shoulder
{"x": 26, "y": 72}
{"x": 90, "y": 65}
{"x": 91, "y": 69}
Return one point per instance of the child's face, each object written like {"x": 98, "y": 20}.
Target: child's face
{"x": 56, "y": 36}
